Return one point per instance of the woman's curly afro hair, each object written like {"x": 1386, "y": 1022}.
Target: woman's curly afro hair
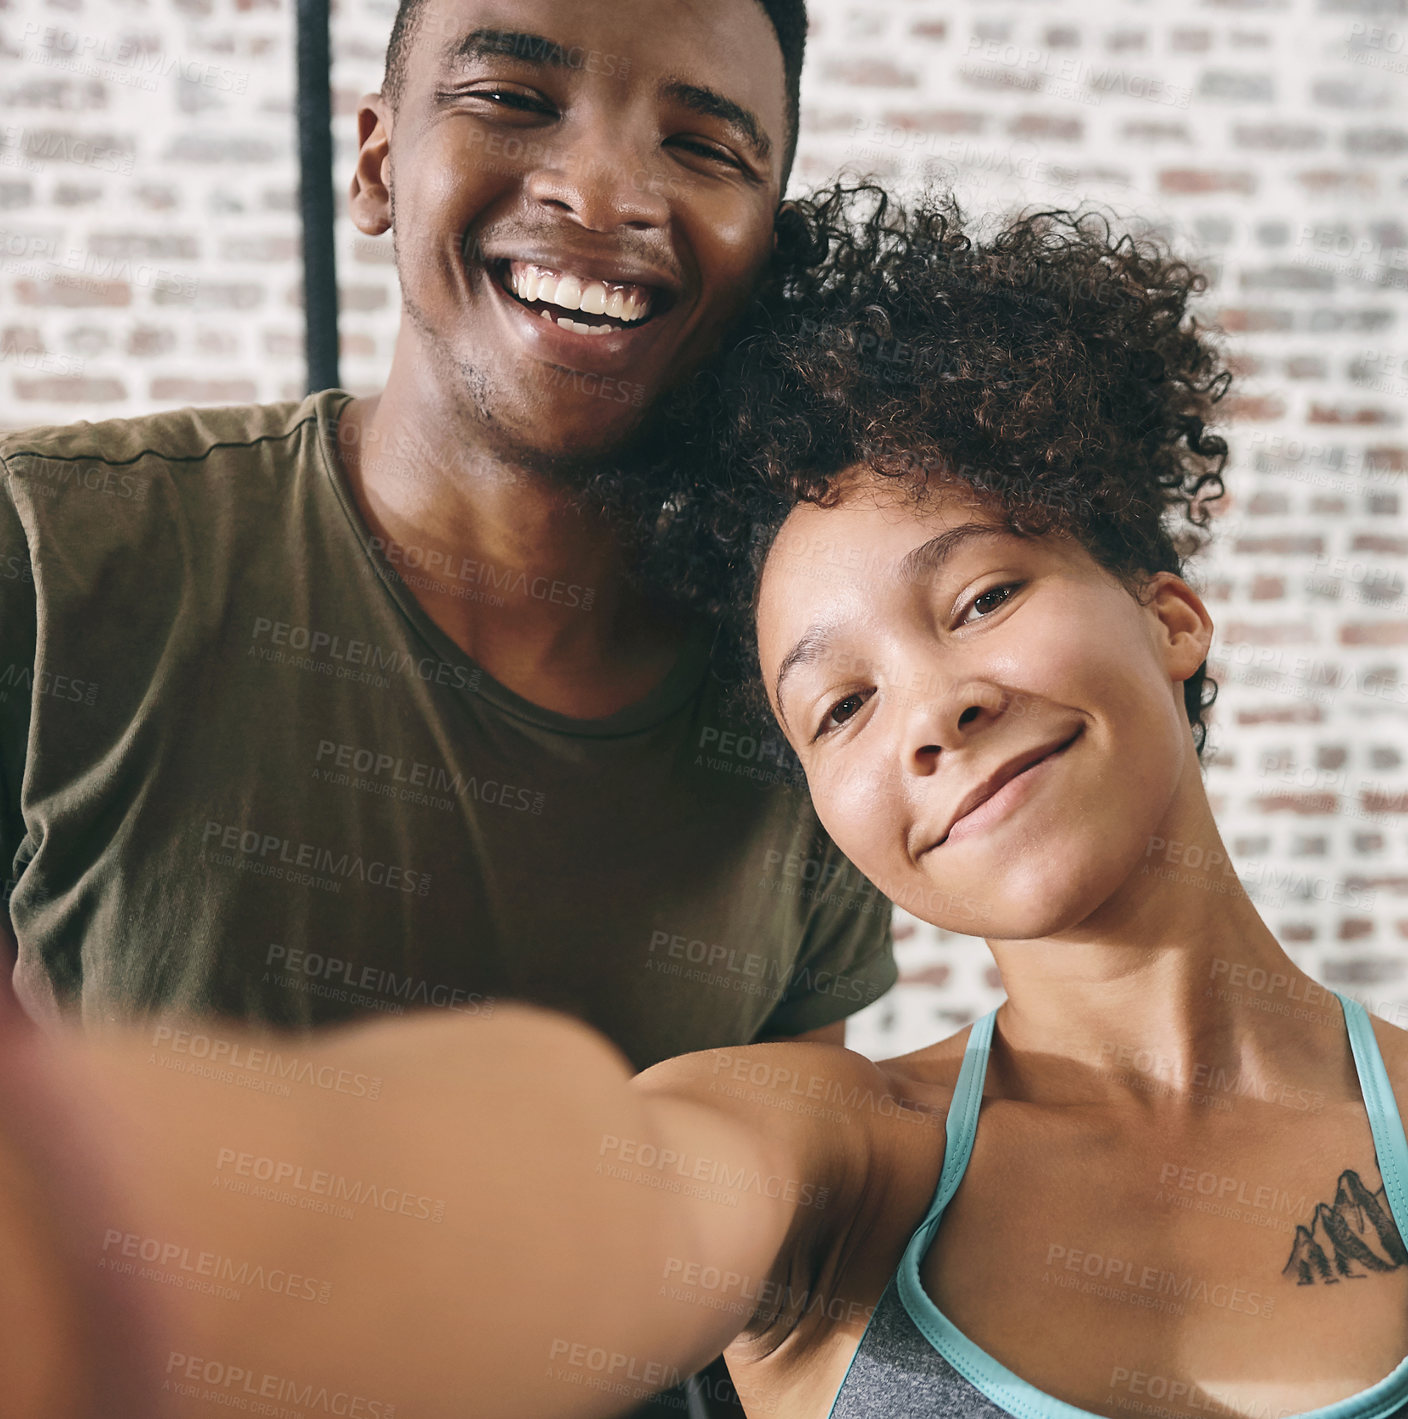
{"x": 1053, "y": 370}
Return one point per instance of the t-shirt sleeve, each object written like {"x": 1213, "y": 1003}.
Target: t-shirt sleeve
{"x": 17, "y": 642}
{"x": 847, "y": 959}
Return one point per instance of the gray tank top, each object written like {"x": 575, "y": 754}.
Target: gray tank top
{"x": 914, "y": 1363}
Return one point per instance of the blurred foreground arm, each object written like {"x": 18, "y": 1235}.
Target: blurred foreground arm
{"x": 426, "y": 1217}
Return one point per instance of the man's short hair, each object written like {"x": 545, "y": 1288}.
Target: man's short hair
{"x": 789, "y": 22}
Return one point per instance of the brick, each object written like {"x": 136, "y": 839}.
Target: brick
{"x": 1378, "y": 801}
{"x": 1269, "y": 633}
{"x": 1297, "y": 931}
{"x": 212, "y": 295}
{"x": 1341, "y": 414}
{"x": 1247, "y": 409}
{"x": 1379, "y": 542}
{"x": 1355, "y": 929}
{"x": 265, "y": 250}
{"x": 1342, "y": 93}
{"x": 1197, "y": 180}
{"x": 1285, "y": 714}
{"x": 929, "y": 29}
{"x": 1278, "y": 137}
{"x": 1048, "y": 126}
{"x": 1215, "y": 231}
{"x": 1268, "y": 504}
{"x": 203, "y": 150}
{"x": 1239, "y": 86}
{"x": 1268, "y": 588}
{"x": 16, "y": 338}
{"x": 1190, "y": 41}
{"x": 827, "y": 120}
{"x": 1252, "y": 322}
{"x": 146, "y": 245}
{"x": 77, "y": 389}
{"x": 1365, "y": 322}
{"x": 1375, "y": 633}
{"x": 1385, "y": 458}
{"x": 936, "y": 120}
{"x": 1285, "y": 545}
{"x": 1378, "y": 142}
{"x": 1288, "y": 278}
{"x": 225, "y": 343}
{"x": 1153, "y": 131}
{"x": 77, "y": 194}
{"x": 157, "y": 197}
{"x": 106, "y": 152}
{"x": 1326, "y": 181}
{"x": 150, "y": 340}
{"x": 871, "y": 74}
{"x": 1305, "y": 804}
{"x": 204, "y": 391}
{"x": 73, "y": 294}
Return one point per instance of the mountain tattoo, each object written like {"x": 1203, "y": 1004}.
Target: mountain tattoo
{"x": 1351, "y": 1239}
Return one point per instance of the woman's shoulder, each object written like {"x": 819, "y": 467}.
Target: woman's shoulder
{"x": 1387, "y": 1021}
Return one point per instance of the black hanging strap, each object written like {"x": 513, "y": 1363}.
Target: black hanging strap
{"x": 316, "y": 193}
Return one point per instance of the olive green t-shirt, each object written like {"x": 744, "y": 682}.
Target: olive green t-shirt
{"x": 243, "y": 773}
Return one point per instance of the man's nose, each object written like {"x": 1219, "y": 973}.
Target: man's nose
{"x": 604, "y": 179}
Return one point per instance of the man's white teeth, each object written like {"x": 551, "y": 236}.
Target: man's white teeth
{"x": 577, "y": 325}
{"x": 535, "y": 283}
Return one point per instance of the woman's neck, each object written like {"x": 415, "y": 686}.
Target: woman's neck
{"x": 1174, "y": 988}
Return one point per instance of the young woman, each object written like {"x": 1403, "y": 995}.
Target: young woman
{"x": 1166, "y": 1177}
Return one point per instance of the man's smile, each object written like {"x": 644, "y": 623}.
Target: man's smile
{"x": 555, "y": 293}
{"x": 583, "y": 312}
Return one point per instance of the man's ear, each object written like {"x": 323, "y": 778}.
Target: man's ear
{"x": 1184, "y": 626}
{"x": 370, "y": 194}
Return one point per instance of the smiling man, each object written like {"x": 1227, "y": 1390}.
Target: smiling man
{"x": 354, "y": 705}
{"x": 312, "y": 710}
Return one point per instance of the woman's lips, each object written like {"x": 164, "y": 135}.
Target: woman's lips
{"x": 1006, "y": 799}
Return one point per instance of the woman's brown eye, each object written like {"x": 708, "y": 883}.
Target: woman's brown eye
{"x": 835, "y": 717}
{"x": 1000, "y": 593}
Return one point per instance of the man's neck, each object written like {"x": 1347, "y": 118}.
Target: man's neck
{"x": 531, "y": 587}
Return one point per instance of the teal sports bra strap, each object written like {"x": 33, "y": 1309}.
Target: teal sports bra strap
{"x": 962, "y": 1124}
{"x": 1390, "y": 1144}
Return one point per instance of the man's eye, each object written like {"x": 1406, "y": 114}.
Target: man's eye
{"x": 706, "y": 150}
{"x": 511, "y": 99}
{"x": 840, "y": 712}
{"x": 988, "y": 602}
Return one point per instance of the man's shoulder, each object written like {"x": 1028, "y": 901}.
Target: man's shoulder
{"x": 171, "y": 435}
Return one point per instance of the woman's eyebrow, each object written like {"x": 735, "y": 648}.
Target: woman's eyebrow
{"x": 929, "y": 557}
{"x": 812, "y": 646}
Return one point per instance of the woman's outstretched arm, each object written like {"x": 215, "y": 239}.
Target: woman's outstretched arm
{"x": 426, "y": 1217}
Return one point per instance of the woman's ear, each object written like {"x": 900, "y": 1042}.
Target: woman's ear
{"x": 370, "y": 195}
{"x": 1184, "y": 626}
